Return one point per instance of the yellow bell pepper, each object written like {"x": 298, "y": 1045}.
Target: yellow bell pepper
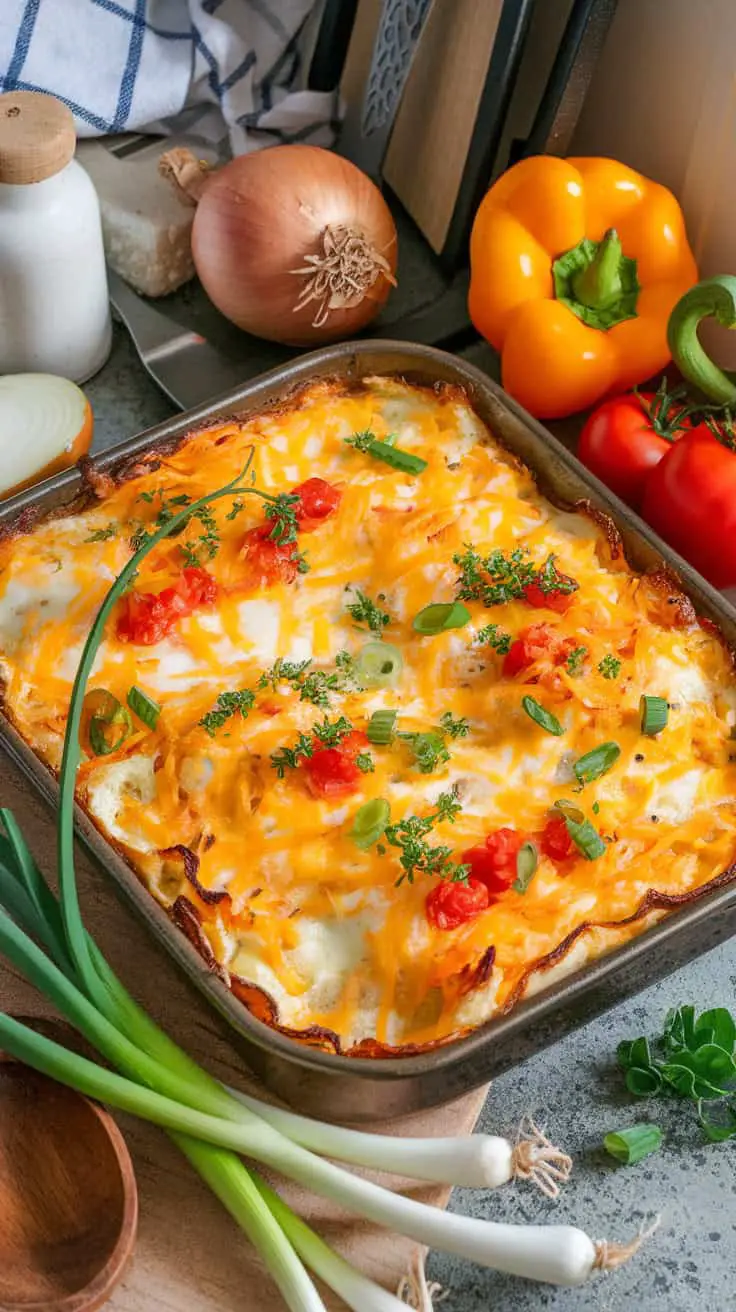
{"x": 575, "y": 265}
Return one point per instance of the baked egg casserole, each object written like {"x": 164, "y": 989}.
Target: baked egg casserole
{"x": 394, "y": 740}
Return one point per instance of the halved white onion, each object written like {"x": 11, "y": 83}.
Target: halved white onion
{"x": 45, "y": 426}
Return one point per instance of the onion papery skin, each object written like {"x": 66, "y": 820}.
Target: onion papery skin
{"x": 262, "y": 216}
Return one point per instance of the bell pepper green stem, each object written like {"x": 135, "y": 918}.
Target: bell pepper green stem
{"x": 715, "y": 298}
{"x": 599, "y": 284}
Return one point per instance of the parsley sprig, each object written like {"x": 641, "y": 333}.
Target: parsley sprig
{"x": 204, "y": 547}
{"x": 417, "y": 856}
{"x": 103, "y": 534}
{"x": 500, "y": 577}
{"x": 227, "y": 705}
{"x": 328, "y": 733}
{"x": 492, "y": 636}
{"x": 456, "y": 726}
{"x": 315, "y": 686}
{"x": 363, "y": 611}
{"x": 282, "y": 513}
{"x": 576, "y": 661}
{"x": 609, "y": 667}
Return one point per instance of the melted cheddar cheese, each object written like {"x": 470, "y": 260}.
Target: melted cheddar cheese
{"x": 309, "y": 928}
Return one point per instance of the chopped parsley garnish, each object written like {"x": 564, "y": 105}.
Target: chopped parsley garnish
{"x": 454, "y": 725}
{"x": 204, "y": 547}
{"x": 282, "y": 513}
{"x": 361, "y": 441}
{"x": 317, "y": 687}
{"x": 207, "y": 544}
{"x": 363, "y": 611}
{"x": 283, "y": 672}
{"x": 500, "y": 577}
{"x": 576, "y": 660}
{"x": 227, "y": 705}
{"x": 429, "y": 750}
{"x": 365, "y": 762}
{"x": 492, "y": 636}
{"x": 331, "y": 734}
{"x": 609, "y": 667}
{"x": 417, "y": 856}
{"x": 103, "y": 534}
{"x": 288, "y": 758}
{"x": 237, "y": 506}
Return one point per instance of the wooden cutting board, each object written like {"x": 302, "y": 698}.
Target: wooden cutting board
{"x": 190, "y": 1255}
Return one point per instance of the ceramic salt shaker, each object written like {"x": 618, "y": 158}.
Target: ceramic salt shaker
{"x": 54, "y": 307}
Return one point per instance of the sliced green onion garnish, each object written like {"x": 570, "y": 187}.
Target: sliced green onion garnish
{"x": 381, "y": 727}
{"x": 396, "y": 458}
{"x": 109, "y": 722}
{"x": 144, "y": 706}
{"x": 586, "y": 839}
{"x": 629, "y": 1146}
{"x": 653, "y": 712}
{"x": 378, "y": 665}
{"x": 596, "y": 762}
{"x": 440, "y": 616}
{"x": 543, "y": 718}
{"x": 570, "y": 811}
{"x": 370, "y": 822}
{"x": 527, "y": 860}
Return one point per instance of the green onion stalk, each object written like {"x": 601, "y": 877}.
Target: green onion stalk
{"x": 47, "y": 941}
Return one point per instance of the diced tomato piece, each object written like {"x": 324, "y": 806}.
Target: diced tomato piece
{"x": 332, "y": 771}
{"x": 532, "y": 645}
{"x": 555, "y": 841}
{"x": 553, "y": 599}
{"x": 494, "y": 863}
{"x": 317, "y": 501}
{"x": 146, "y": 617}
{"x": 269, "y": 561}
{"x": 449, "y": 905}
{"x": 197, "y": 587}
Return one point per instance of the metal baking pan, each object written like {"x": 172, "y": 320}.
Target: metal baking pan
{"x": 358, "y": 1088}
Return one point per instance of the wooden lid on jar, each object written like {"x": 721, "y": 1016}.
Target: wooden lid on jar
{"x": 37, "y": 136}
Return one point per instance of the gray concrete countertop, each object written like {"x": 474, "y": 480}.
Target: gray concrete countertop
{"x": 572, "y": 1088}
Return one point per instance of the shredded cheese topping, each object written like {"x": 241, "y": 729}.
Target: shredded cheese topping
{"x": 285, "y": 899}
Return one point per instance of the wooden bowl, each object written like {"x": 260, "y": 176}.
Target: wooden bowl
{"x": 68, "y": 1198}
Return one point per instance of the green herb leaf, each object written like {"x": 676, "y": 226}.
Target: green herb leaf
{"x": 227, "y": 705}
{"x": 281, "y": 510}
{"x": 609, "y": 667}
{"x": 493, "y": 636}
{"x": 455, "y": 726}
{"x": 576, "y": 660}
{"x": 363, "y": 611}
{"x": 497, "y": 578}
{"x": 288, "y": 758}
{"x": 545, "y": 719}
{"x": 365, "y": 762}
{"x": 417, "y": 856}
{"x": 429, "y": 750}
{"x": 331, "y": 734}
{"x": 721, "y": 1128}
{"x": 103, "y": 534}
{"x": 630, "y": 1145}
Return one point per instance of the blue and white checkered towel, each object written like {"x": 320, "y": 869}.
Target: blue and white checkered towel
{"x": 226, "y": 71}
